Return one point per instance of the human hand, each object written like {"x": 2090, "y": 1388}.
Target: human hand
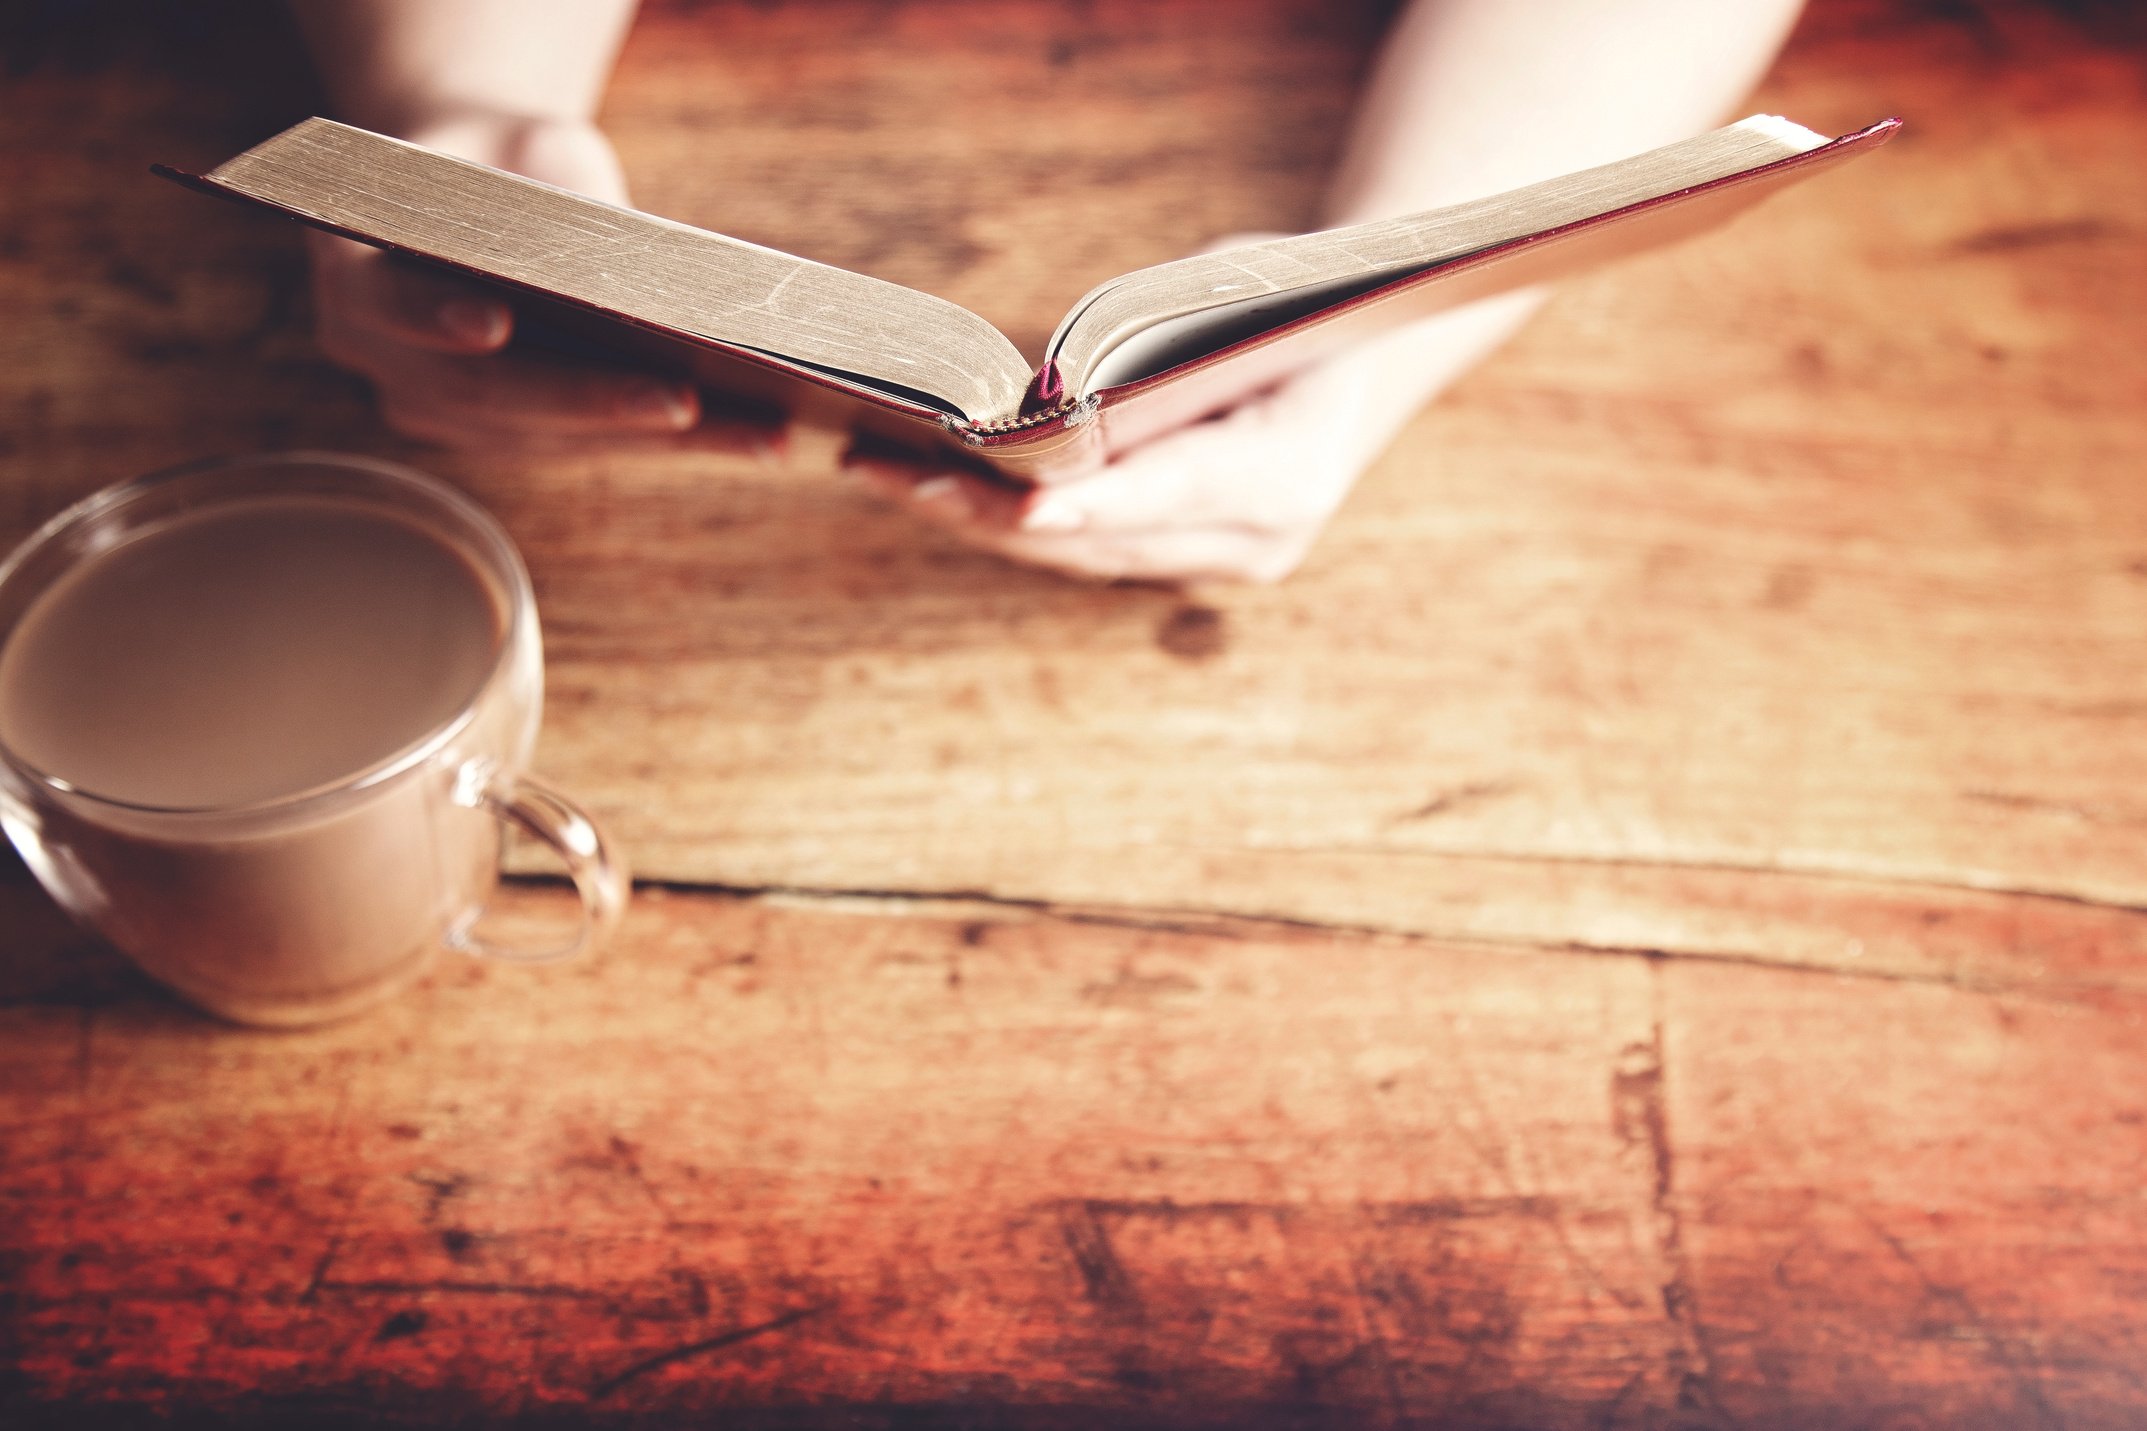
{"x": 1240, "y": 496}
{"x": 430, "y": 344}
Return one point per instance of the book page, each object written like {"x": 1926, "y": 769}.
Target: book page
{"x": 1144, "y": 323}
{"x": 635, "y": 266}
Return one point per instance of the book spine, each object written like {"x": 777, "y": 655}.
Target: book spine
{"x": 1055, "y": 445}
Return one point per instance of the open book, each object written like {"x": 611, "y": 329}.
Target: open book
{"x": 1138, "y": 355}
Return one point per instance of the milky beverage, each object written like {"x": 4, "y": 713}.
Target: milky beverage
{"x": 235, "y": 659}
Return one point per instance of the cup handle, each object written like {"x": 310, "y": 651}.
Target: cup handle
{"x": 595, "y": 864}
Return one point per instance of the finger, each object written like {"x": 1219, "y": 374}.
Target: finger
{"x": 361, "y": 291}
{"x": 1183, "y": 553}
{"x": 942, "y": 495}
{"x": 758, "y": 442}
{"x": 509, "y": 396}
{"x": 1171, "y": 551}
{"x": 1265, "y": 464}
{"x": 1189, "y": 554}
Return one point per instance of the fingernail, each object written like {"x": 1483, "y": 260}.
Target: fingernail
{"x": 472, "y": 320}
{"x": 944, "y": 494}
{"x": 1053, "y": 514}
{"x": 667, "y": 403}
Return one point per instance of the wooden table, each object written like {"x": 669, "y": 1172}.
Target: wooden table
{"x": 1649, "y": 929}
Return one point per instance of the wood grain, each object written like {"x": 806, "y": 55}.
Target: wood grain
{"x": 1950, "y": 1177}
{"x": 843, "y": 1169}
{"x": 1645, "y": 931}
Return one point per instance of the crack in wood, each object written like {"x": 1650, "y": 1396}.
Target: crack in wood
{"x": 1227, "y": 924}
{"x": 1445, "y": 802}
{"x": 1640, "y": 1120}
{"x": 344, "y": 1209}
{"x": 2092, "y": 814}
{"x": 319, "y": 1278}
{"x": 1104, "y": 1280}
{"x": 719, "y": 1342}
{"x": 1403, "y": 1211}
{"x": 627, "y": 1158}
{"x": 1817, "y": 873}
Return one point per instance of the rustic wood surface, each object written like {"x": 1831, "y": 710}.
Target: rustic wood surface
{"x": 1649, "y": 929}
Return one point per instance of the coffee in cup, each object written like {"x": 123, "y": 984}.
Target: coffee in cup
{"x": 260, "y": 722}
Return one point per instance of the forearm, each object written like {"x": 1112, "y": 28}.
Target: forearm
{"x": 1474, "y": 97}
{"x": 401, "y": 65}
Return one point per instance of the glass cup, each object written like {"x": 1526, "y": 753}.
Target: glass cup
{"x": 303, "y": 909}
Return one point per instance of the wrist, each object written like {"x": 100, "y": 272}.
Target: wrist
{"x": 400, "y": 65}
{"x": 1378, "y": 385}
